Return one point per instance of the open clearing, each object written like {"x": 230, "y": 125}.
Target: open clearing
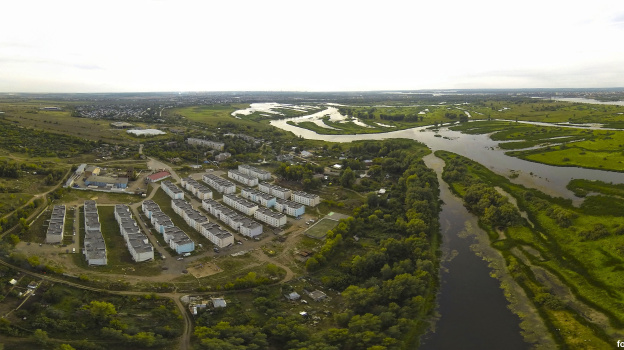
{"x": 319, "y": 230}
{"x": 204, "y": 269}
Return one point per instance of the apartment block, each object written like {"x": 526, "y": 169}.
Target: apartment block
{"x": 206, "y": 143}
{"x": 57, "y": 225}
{"x": 255, "y": 172}
{"x": 289, "y": 207}
{"x": 172, "y": 190}
{"x": 137, "y": 243}
{"x": 220, "y": 184}
{"x": 244, "y": 206}
{"x": 238, "y": 222}
{"x": 178, "y": 240}
{"x": 270, "y": 217}
{"x": 198, "y": 190}
{"x": 94, "y": 247}
{"x": 305, "y": 198}
{"x": 247, "y": 180}
{"x": 275, "y": 190}
{"x": 256, "y": 196}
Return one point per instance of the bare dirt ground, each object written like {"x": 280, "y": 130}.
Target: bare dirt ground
{"x": 204, "y": 269}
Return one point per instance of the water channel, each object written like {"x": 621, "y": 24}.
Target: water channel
{"x": 473, "y": 312}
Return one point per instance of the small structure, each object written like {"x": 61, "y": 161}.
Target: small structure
{"x": 317, "y": 295}
{"x": 91, "y": 170}
{"x": 293, "y": 296}
{"x": 218, "y": 302}
{"x": 222, "y": 156}
{"x": 158, "y": 176}
{"x": 13, "y": 282}
{"x": 121, "y": 125}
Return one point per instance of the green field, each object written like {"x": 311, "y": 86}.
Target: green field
{"x": 28, "y": 114}
{"x": 319, "y": 230}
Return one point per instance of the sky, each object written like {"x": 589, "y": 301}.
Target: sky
{"x": 163, "y": 45}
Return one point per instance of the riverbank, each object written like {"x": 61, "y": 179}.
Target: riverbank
{"x": 559, "y": 264}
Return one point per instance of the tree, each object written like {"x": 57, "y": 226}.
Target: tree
{"x": 101, "y": 311}
{"x": 348, "y": 178}
{"x": 41, "y": 337}
{"x": 64, "y": 347}
{"x": 23, "y": 224}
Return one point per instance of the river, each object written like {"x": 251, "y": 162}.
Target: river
{"x": 472, "y": 309}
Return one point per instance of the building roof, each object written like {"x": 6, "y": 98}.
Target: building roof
{"x": 159, "y": 175}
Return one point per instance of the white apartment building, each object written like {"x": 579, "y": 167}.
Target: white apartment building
{"x": 56, "y": 226}
{"x": 191, "y": 216}
{"x": 138, "y": 244}
{"x": 178, "y": 240}
{"x": 277, "y": 191}
{"x": 220, "y": 184}
{"x": 217, "y": 235}
{"x": 172, "y": 190}
{"x": 198, "y": 190}
{"x": 270, "y": 217}
{"x": 255, "y": 172}
{"x": 238, "y": 222}
{"x": 256, "y": 196}
{"x": 244, "y": 206}
{"x": 247, "y": 180}
{"x": 94, "y": 247}
{"x": 206, "y": 143}
{"x": 305, "y": 198}
{"x": 289, "y": 207}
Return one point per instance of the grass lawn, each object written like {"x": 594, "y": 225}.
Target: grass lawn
{"x": 319, "y": 230}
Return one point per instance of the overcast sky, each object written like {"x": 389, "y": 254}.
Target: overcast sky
{"x": 151, "y": 45}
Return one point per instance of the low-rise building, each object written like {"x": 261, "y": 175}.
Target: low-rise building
{"x": 198, "y": 190}
{"x": 206, "y": 143}
{"x": 217, "y": 235}
{"x": 270, "y": 217}
{"x": 305, "y": 198}
{"x": 56, "y": 226}
{"x": 238, "y": 222}
{"x": 247, "y": 180}
{"x": 220, "y": 184}
{"x": 275, "y": 190}
{"x": 172, "y": 190}
{"x": 192, "y": 217}
{"x": 244, "y": 206}
{"x": 289, "y": 207}
{"x": 256, "y": 196}
{"x": 149, "y": 207}
{"x": 161, "y": 175}
{"x": 222, "y": 156}
{"x": 105, "y": 181}
{"x": 255, "y": 172}
{"x": 94, "y": 247}
{"x": 137, "y": 243}
{"x": 178, "y": 240}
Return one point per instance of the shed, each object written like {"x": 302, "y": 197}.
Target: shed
{"x": 218, "y": 302}
{"x": 293, "y": 296}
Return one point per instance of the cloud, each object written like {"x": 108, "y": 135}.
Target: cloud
{"x": 35, "y": 61}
